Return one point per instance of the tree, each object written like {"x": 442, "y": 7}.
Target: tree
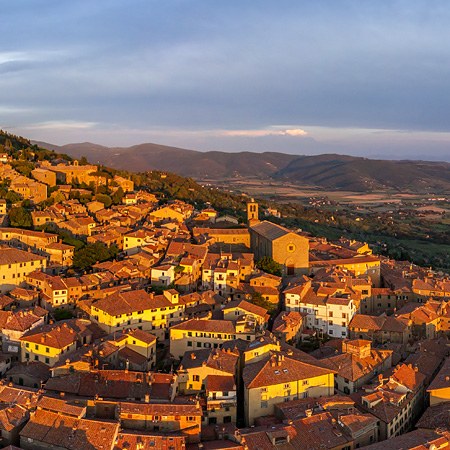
{"x": 117, "y": 196}
{"x": 258, "y": 300}
{"x": 90, "y": 254}
{"x": 13, "y": 197}
{"x": 20, "y": 217}
{"x": 105, "y": 199}
{"x": 267, "y": 264}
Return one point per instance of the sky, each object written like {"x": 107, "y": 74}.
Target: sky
{"x": 361, "y": 77}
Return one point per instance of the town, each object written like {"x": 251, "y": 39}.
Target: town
{"x": 129, "y": 321}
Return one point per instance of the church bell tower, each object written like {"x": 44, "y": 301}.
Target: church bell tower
{"x": 252, "y": 213}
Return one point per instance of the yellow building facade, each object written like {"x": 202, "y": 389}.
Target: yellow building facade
{"x": 280, "y": 378}
{"x": 15, "y": 265}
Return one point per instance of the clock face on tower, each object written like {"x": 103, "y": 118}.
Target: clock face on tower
{"x": 291, "y": 247}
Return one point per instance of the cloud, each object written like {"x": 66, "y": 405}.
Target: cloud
{"x": 261, "y": 133}
{"x": 61, "y": 125}
{"x": 9, "y": 57}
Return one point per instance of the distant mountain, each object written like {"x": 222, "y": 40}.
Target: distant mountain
{"x": 184, "y": 162}
{"x": 328, "y": 171}
{"x": 363, "y": 174}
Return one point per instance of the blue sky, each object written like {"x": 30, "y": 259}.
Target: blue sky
{"x": 356, "y": 77}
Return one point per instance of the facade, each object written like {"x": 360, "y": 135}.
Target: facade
{"x": 47, "y": 344}
{"x": 15, "y": 265}
{"x": 29, "y": 189}
{"x": 282, "y": 245}
{"x": 397, "y": 402}
{"x": 328, "y": 311}
{"x": 44, "y": 176}
{"x": 221, "y": 400}
{"x": 138, "y": 309}
{"x": 230, "y": 236}
{"x": 163, "y": 418}
{"x": 196, "y": 334}
{"x": 281, "y": 378}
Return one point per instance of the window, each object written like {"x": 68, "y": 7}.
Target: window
{"x": 264, "y": 404}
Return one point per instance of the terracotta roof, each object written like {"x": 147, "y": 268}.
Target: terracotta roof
{"x": 133, "y": 440}
{"x": 160, "y": 409}
{"x": 270, "y": 230}
{"x": 58, "y": 335}
{"x": 125, "y": 302}
{"x": 357, "y": 422}
{"x": 378, "y": 323}
{"x": 21, "y": 320}
{"x": 442, "y": 379}
{"x": 223, "y": 383}
{"x": 13, "y": 255}
{"x": 61, "y": 406}
{"x": 12, "y": 417}
{"x": 221, "y": 360}
{"x": 414, "y": 440}
{"x": 247, "y": 306}
{"x": 74, "y": 434}
{"x": 143, "y": 336}
{"x": 105, "y": 383}
{"x": 34, "y": 369}
{"x": 296, "y": 409}
{"x": 21, "y": 396}
{"x": 352, "y": 367}
{"x": 278, "y": 369}
{"x": 286, "y": 320}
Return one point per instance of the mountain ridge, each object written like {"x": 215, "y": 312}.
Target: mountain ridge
{"x": 327, "y": 171}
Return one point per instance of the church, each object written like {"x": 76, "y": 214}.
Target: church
{"x": 282, "y": 245}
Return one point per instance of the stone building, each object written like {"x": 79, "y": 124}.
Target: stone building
{"x": 282, "y": 245}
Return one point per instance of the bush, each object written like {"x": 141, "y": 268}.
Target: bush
{"x": 268, "y": 265}
{"x": 20, "y": 217}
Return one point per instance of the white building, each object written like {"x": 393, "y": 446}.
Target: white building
{"x": 327, "y": 314}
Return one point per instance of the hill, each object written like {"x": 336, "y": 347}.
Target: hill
{"x": 338, "y": 172}
{"x": 188, "y": 163}
{"x": 363, "y": 174}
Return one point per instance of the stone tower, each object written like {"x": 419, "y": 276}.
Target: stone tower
{"x": 252, "y": 212}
